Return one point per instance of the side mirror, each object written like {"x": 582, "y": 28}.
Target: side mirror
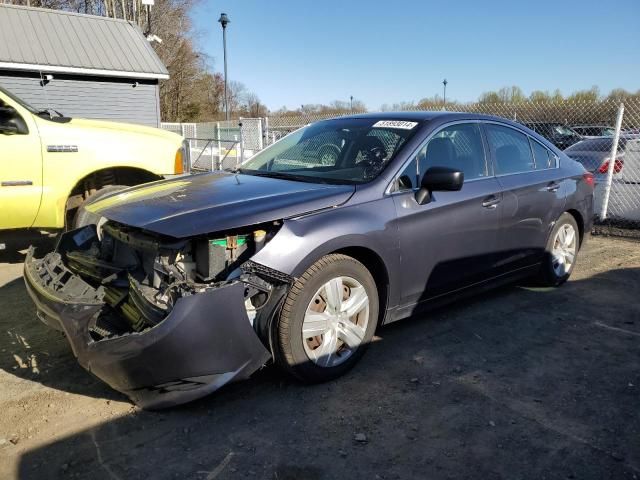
{"x": 439, "y": 179}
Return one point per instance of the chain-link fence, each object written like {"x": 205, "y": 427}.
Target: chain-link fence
{"x": 592, "y": 133}
{"x": 585, "y": 130}
{"x": 220, "y": 145}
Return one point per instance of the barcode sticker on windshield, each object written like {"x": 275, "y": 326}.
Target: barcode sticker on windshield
{"x": 395, "y": 124}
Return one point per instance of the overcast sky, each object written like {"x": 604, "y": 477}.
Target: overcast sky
{"x": 299, "y": 52}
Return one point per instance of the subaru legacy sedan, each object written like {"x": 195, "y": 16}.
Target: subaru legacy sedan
{"x": 181, "y": 286}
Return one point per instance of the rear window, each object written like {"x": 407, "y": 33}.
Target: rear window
{"x": 596, "y": 145}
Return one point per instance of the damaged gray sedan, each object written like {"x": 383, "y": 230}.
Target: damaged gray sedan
{"x": 178, "y": 287}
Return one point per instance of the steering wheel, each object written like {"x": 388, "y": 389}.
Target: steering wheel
{"x": 374, "y": 158}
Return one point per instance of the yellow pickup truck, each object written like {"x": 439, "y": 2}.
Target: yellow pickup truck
{"x": 50, "y": 165}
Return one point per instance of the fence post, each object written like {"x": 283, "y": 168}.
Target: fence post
{"x": 236, "y": 148}
{"x": 240, "y": 144}
{"x": 219, "y": 146}
{"x": 612, "y": 162}
{"x": 260, "y": 139}
{"x": 266, "y": 130}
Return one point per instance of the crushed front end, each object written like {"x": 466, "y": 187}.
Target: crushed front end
{"x": 164, "y": 321}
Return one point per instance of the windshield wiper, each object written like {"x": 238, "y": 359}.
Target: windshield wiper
{"x": 281, "y": 175}
{"x": 50, "y": 112}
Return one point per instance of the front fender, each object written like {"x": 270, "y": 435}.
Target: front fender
{"x": 303, "y": 240}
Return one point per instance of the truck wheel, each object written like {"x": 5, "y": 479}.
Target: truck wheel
{"x": 560, "y": 253}
{"x": 83, "y": 217}
{"x": 327, "y": 320}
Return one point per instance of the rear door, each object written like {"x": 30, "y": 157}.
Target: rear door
{"x": 533, "y": 193}
{"x": 452, "y": 241}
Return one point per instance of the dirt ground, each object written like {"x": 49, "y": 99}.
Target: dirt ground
{"x": 517, "y": 383}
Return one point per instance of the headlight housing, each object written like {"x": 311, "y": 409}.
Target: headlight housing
{"x": 183, "y": 159}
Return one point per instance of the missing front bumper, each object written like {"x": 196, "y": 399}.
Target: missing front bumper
{"x": 205, "y": 342}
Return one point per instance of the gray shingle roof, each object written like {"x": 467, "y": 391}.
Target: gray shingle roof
{"x": 55, "y": 41}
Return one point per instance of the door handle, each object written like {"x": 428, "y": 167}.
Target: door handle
{"x": 491, "y": 202}
{"x": 16, "y": 183}
{"x": 553, "y": 187}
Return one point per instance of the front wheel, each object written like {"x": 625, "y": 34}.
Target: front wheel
{"x": 328, "y": 319}
{"x": 561, "y": 252}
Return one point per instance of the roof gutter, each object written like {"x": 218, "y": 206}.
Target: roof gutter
{"x": 81, "y": 71}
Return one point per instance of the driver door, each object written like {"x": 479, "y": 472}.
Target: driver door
{"x": 452, "y": 241}
{"x": 20, "y": 166}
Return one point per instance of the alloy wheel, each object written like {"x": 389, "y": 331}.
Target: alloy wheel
{"x": 564, "y": 248}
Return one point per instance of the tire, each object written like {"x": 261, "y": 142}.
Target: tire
{"x": 83, "y": 217}
{"x": 560, "y": 255}
{"x": 328, "y": 154}
{"x": 302, "y": 357}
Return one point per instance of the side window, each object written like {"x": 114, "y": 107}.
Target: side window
{"x": 544, "y": 158}
{"x": 510, "y": 150}
{"x": 10, "y": 120}
{"x": 458, "y": 146}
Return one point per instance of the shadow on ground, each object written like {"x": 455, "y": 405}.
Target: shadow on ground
{"x": 32, "y": 351}
{"x": 522, "y": 383}
{"x": 18, "y": 241}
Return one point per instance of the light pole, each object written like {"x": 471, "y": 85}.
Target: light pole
{"x": 444, "y": 92}
{"x": 224, "y": 21}
{"x": 351, "y": 103}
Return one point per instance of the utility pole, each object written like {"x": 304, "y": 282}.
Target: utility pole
{"x": 444, "y": 92}
{"x": 224, "y": 21}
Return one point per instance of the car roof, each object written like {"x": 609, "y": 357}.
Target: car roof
{"x": 425, "y": 115}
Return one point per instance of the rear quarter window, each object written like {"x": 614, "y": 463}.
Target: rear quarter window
{"x": 543, "y": 157}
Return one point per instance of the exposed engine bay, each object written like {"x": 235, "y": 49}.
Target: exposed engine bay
{"x": 140, "y": 276}
{"x": 162, "y": 320}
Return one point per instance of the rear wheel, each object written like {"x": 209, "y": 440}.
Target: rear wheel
{"x": 328, "y": 319}
{"x": 561, "y": 252}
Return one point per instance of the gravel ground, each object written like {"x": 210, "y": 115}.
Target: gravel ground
{"x": 517, "y": 383}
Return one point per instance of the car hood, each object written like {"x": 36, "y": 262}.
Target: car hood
{"x": 120, "y": 127}
{"x": 213, "y": 202}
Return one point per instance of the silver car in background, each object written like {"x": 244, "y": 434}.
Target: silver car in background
{"x": 595, "y": 155}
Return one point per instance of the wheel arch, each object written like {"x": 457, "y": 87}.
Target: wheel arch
{"x": 98, "y": 179}
{"x": 577, "y": 216}
{"x": 376, "y": 266}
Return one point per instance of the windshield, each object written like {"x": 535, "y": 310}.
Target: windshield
{"x": 562, "y": 130}
{"x": 18, "y": 100}
{"x": 351, "y": 150}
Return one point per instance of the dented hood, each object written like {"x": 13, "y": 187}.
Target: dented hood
{"x": 213, "y": 202}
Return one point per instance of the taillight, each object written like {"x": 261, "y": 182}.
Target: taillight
{"x": 617, "y": 166}
{"x": 588, "y": 179}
